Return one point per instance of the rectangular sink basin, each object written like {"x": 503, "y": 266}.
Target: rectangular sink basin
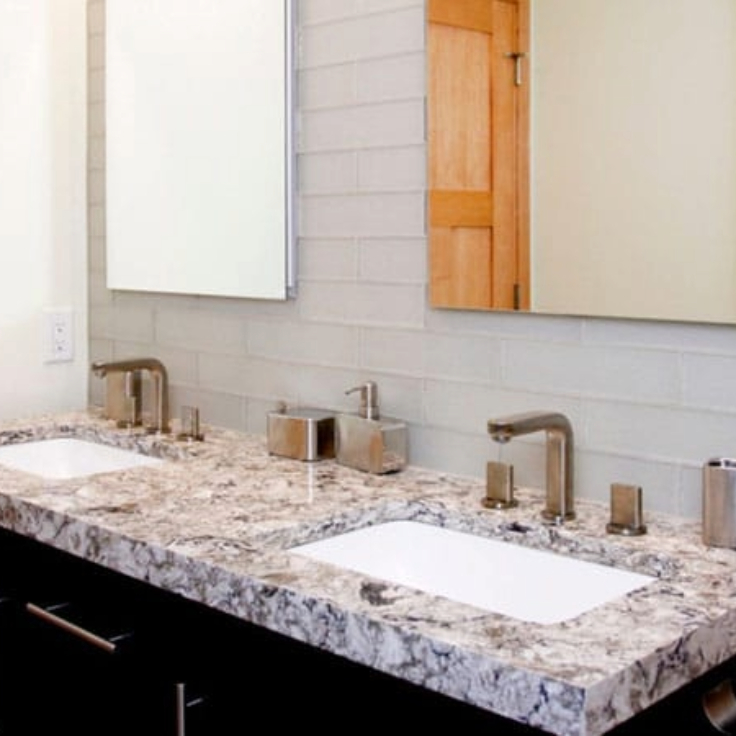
{"x": 526, "y": 584}
{"x": 68, "y": 457}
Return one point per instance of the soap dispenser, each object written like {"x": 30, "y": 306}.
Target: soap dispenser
{"x": 366, "y": 441}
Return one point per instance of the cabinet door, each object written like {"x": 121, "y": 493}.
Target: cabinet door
{"x": 70, "y": 676}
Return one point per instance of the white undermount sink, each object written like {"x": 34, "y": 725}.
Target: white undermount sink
{"x": 69, "y": 457}
{"x": 526, "y": 584}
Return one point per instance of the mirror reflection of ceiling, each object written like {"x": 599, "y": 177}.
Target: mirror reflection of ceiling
{"x": 633, "y": 158}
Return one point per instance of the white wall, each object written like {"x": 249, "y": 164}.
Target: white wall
{"x": 649, "y": 401}
{"x": 42, "y": 200}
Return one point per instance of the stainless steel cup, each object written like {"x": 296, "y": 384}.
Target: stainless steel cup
{"x": 719, "y": 503}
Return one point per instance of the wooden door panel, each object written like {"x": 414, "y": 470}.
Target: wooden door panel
{"x": 477, "y": 123}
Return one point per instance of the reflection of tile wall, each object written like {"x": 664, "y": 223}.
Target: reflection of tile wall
{"x": 649, "y": 402}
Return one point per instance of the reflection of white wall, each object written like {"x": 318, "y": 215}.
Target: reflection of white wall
{"x": 195, "y": 147}
{"x": 42, "y": 199}
{"x": 630, "y": 193}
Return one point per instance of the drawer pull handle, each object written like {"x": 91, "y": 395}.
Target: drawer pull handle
{"x": 183, "y": 702}
{"x": 71, "y": 628}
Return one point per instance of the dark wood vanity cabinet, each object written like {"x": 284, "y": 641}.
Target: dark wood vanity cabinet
{"x": 84, "y": 650}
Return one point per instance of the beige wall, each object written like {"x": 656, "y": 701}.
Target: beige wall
{"x": 42, "y": 200}
{"x": 634, "y": 151}
{"x": 649, "y": 401}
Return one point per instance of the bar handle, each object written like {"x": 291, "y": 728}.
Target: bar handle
{"x": 184, "y": 702}
{"x": 46, "y": 615}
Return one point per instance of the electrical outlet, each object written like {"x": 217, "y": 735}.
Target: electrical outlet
{"x": 59, "y": 334}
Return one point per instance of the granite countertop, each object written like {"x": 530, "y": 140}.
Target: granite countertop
{"x": 215, "y": 522}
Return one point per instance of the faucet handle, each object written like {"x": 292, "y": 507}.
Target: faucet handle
{"x": 626, "y": 510}
{"x": 499, "y": 486}
{"x": 190, "y": 430}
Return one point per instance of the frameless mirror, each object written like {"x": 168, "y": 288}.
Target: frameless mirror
{"x": 632, "y": 149}
{"x": 198, "y": 146}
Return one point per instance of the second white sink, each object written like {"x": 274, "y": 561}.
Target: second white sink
{"x": 526, "y": 584}
{"x": 69, "y": 457}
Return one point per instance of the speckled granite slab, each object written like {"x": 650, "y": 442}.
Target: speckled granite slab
{"x": 215, "y": 522}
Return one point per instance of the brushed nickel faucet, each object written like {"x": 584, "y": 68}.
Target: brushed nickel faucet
{"x": 559, "y": 504}
{"x": 128, "y": 369}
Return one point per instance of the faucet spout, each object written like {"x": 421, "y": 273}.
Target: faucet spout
{"x": 160, "y": 379}
{"x": 559, "y": 504}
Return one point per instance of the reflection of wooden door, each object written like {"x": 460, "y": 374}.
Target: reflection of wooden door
{"x": 478, "y": 113}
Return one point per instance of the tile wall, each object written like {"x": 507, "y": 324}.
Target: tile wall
{"x": 649, "y": 401}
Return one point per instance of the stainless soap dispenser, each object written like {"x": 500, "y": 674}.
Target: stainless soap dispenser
{"x": 367, "y": 442}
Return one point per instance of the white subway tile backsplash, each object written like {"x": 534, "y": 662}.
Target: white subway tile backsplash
{"x": 328, "y": 260}
{"x": 451, "y": 452}
{"x": 96, "y": 187}
{"x": 506, "y": 324}
{"x": 296, "y": 342}
{"x": 330, "y": 86}
{"x": 393, "y": 260}
{"x": 710, "y": 382}
{"x": 363, "y": 215}
{"x": 678, "y": 336}
{"x": 224, "y": 373}
{"x": 585, "y": 370}
{"x": 362, "y": 304}
{"x": 97, "y": 292}
{"x": 691, "y": 492}
{"x": 96, "y": 153}
{"x": 130, "y": 322}
{"x": 96, "y": 86}
{"x": 659, "y": 481}
{"x": 96, "y": 220}
{"x": 215, "y": 409}
{"x": 393, "y": 351}
{"x": 415, "y": 352}
{"x": 463, "y": 358}
{"x": 325, "y": 386}
{"x": 328, "y": 173}
{"x": 673, "y": 434}
{"x": 376, "y": 125}
{"x": 467, "y": 407}
{"x": 393, "y": 78}
{"x": 96, "y": 51}
{"x": 96, "y": 17}
{"x": 96, "y": 261}
{"x": 200, "y": 330}
{"x": 372, "y": 36}
{"x": 96, "y": 118}
{"x": 392, "y": 169}
{"x": 320, "y": 11}
{"x": 100, "y": 324}
{"x": 374, "y": 6}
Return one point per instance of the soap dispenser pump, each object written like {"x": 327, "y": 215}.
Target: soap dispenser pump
{"x": 368, "y": 399}
{"x": 366, "y": 441}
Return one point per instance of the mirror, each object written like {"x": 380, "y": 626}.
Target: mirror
{"x": 199, "y": 147}
{"x": 632, "y": 174}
